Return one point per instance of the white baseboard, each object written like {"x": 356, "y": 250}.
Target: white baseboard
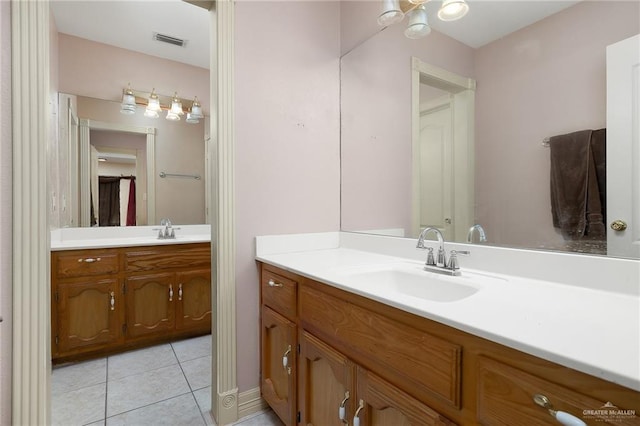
{"x": 250, "y": 402}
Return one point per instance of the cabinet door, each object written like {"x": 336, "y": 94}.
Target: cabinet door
{"x": 383, "y": 404}
{"x": 193, "y": 311}
{"x": 278, "y": 363}
{"x": 150, "y": 304}
{"x": 89, "y": 315}
{"x": 325, "y": 384}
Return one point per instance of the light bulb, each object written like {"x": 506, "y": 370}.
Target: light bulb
{"x": 452, "y": 10}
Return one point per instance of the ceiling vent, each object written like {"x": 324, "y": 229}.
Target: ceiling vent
{"x": 168, "y": 39}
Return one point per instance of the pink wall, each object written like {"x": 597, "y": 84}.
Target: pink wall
{"x": 101, "y": 71}
{"x": 376, "y": 123}
{"x": 6, "y": 192}
{"x": 543, "y": 80}
{"x": 287, "y": 140}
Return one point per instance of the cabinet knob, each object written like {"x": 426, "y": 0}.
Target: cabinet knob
{"x": 180, "y": 291}
{"x": 170, "y": 292}
{"x": 562, "y": 417}
{"x": 89, "y": 260}
{"x": 272, "y": 283}
{"x": 112, "y": 300}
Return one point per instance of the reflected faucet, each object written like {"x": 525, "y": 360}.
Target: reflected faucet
{"x": 482, "y": 237}
{"x": 168, "y": 232}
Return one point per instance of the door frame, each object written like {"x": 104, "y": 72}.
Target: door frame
{"x": 462, "y": 90}
{"x": 31, "y": 252}
{"x": 86, "y": 126}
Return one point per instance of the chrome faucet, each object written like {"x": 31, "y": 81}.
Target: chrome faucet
{"x": 439, "y": 264}
{"x": 482, "y": 237}
{"x": 168, "y": 232}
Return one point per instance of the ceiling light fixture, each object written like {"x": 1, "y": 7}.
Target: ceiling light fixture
{"x": 418, "y": 25}
{"x": 154, "y": 104}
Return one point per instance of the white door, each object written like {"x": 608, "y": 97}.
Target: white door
{"x": 436, "y": 170}
{"x": 623, "y": 147}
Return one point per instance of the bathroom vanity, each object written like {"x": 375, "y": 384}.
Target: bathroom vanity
{"x": 336, "y": 352}
{"x": 109, "y": 299}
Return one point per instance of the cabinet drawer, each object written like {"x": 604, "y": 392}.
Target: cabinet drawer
{"x": 426, "y": 365}
{"x": 85, "y": 263}
{"x": 505, "y": 397}
{"x": 279, "y": 293}
{"x": 168, "y": 257}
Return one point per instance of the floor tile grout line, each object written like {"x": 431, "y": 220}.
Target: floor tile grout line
{"x": 106, "y": 390}
{"x": 148, "y": 405}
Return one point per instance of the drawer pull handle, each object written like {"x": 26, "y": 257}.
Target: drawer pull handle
{"x": 356, "y": 417}
{"x": 562, "y": 417}
{"x": 170, "y": 292}
{"x": 272, "y": 283}
{"x": 342, "y": 411}
{"x": 112, "y": 300}
{"x": 285, "y": 360}
{"x": 90, "y": 260}
{"x": 180, "y": 291}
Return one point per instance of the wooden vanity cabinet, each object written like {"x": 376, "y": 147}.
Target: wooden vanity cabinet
{"x": 279, "y": 344}
{"x": 108, "y": 300}
{"x": 408, "y": 370}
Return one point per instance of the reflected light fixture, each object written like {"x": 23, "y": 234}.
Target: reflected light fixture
{"x": 128, "y": 105}
{"x": 418, "y": 25}
{"x": 155, "y": 104}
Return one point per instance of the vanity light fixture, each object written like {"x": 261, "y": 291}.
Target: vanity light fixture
{"x": 128, "y": 105}
{"x": 418, "y": 25}
{"x": 391, "y": 13}
{"x": 155, "y": 104}
{"x": 452, "y": 10}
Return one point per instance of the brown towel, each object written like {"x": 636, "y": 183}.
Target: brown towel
{"x": 577, "y": 200}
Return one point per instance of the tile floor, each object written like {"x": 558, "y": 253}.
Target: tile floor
{"x": 168, "y": 384}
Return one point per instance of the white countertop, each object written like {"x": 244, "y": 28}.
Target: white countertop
{"x": 125, "y": 236}
{"x": 588, "y": 329}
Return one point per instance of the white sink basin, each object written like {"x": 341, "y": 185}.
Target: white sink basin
{"x": 410, "y": 280}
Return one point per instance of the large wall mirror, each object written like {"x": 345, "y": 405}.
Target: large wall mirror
{"x": 116, "y": 166}
{"x": 453, "y": 130}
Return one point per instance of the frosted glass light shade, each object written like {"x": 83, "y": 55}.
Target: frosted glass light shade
{"x": 191, "y": 119}
{"x": 196, "y": 109}
{"x": 418, "y": 26}
{"x": 452, "y": 10}
{"x": 128, "y": 105}
{"x": 391, "y": 13}
{"x": 172, "y": 116}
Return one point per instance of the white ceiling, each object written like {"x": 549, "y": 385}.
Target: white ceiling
{"x": 131, "y": 24}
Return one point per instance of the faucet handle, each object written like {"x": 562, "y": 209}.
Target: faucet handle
{"x": 441, "y": 259}
{"x": 453, "y": 261}
{"x": 430, "y": 260}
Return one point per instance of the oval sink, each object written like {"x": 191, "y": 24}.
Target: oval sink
{"x": 410, "y": 281}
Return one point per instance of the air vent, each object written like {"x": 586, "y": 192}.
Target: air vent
{"x": 168, "y": 39}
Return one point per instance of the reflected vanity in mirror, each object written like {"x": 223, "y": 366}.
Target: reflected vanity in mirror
{"x": 449, "y": 132}
{"x": 93, "y": 64}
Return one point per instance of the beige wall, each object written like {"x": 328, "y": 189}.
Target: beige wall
{"x": 287, "y": 140}
{"x": 544, "y": 80}
{"x": 5, "y": 213}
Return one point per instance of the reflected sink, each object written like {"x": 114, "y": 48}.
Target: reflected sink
{"x": 409, "y": 280}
